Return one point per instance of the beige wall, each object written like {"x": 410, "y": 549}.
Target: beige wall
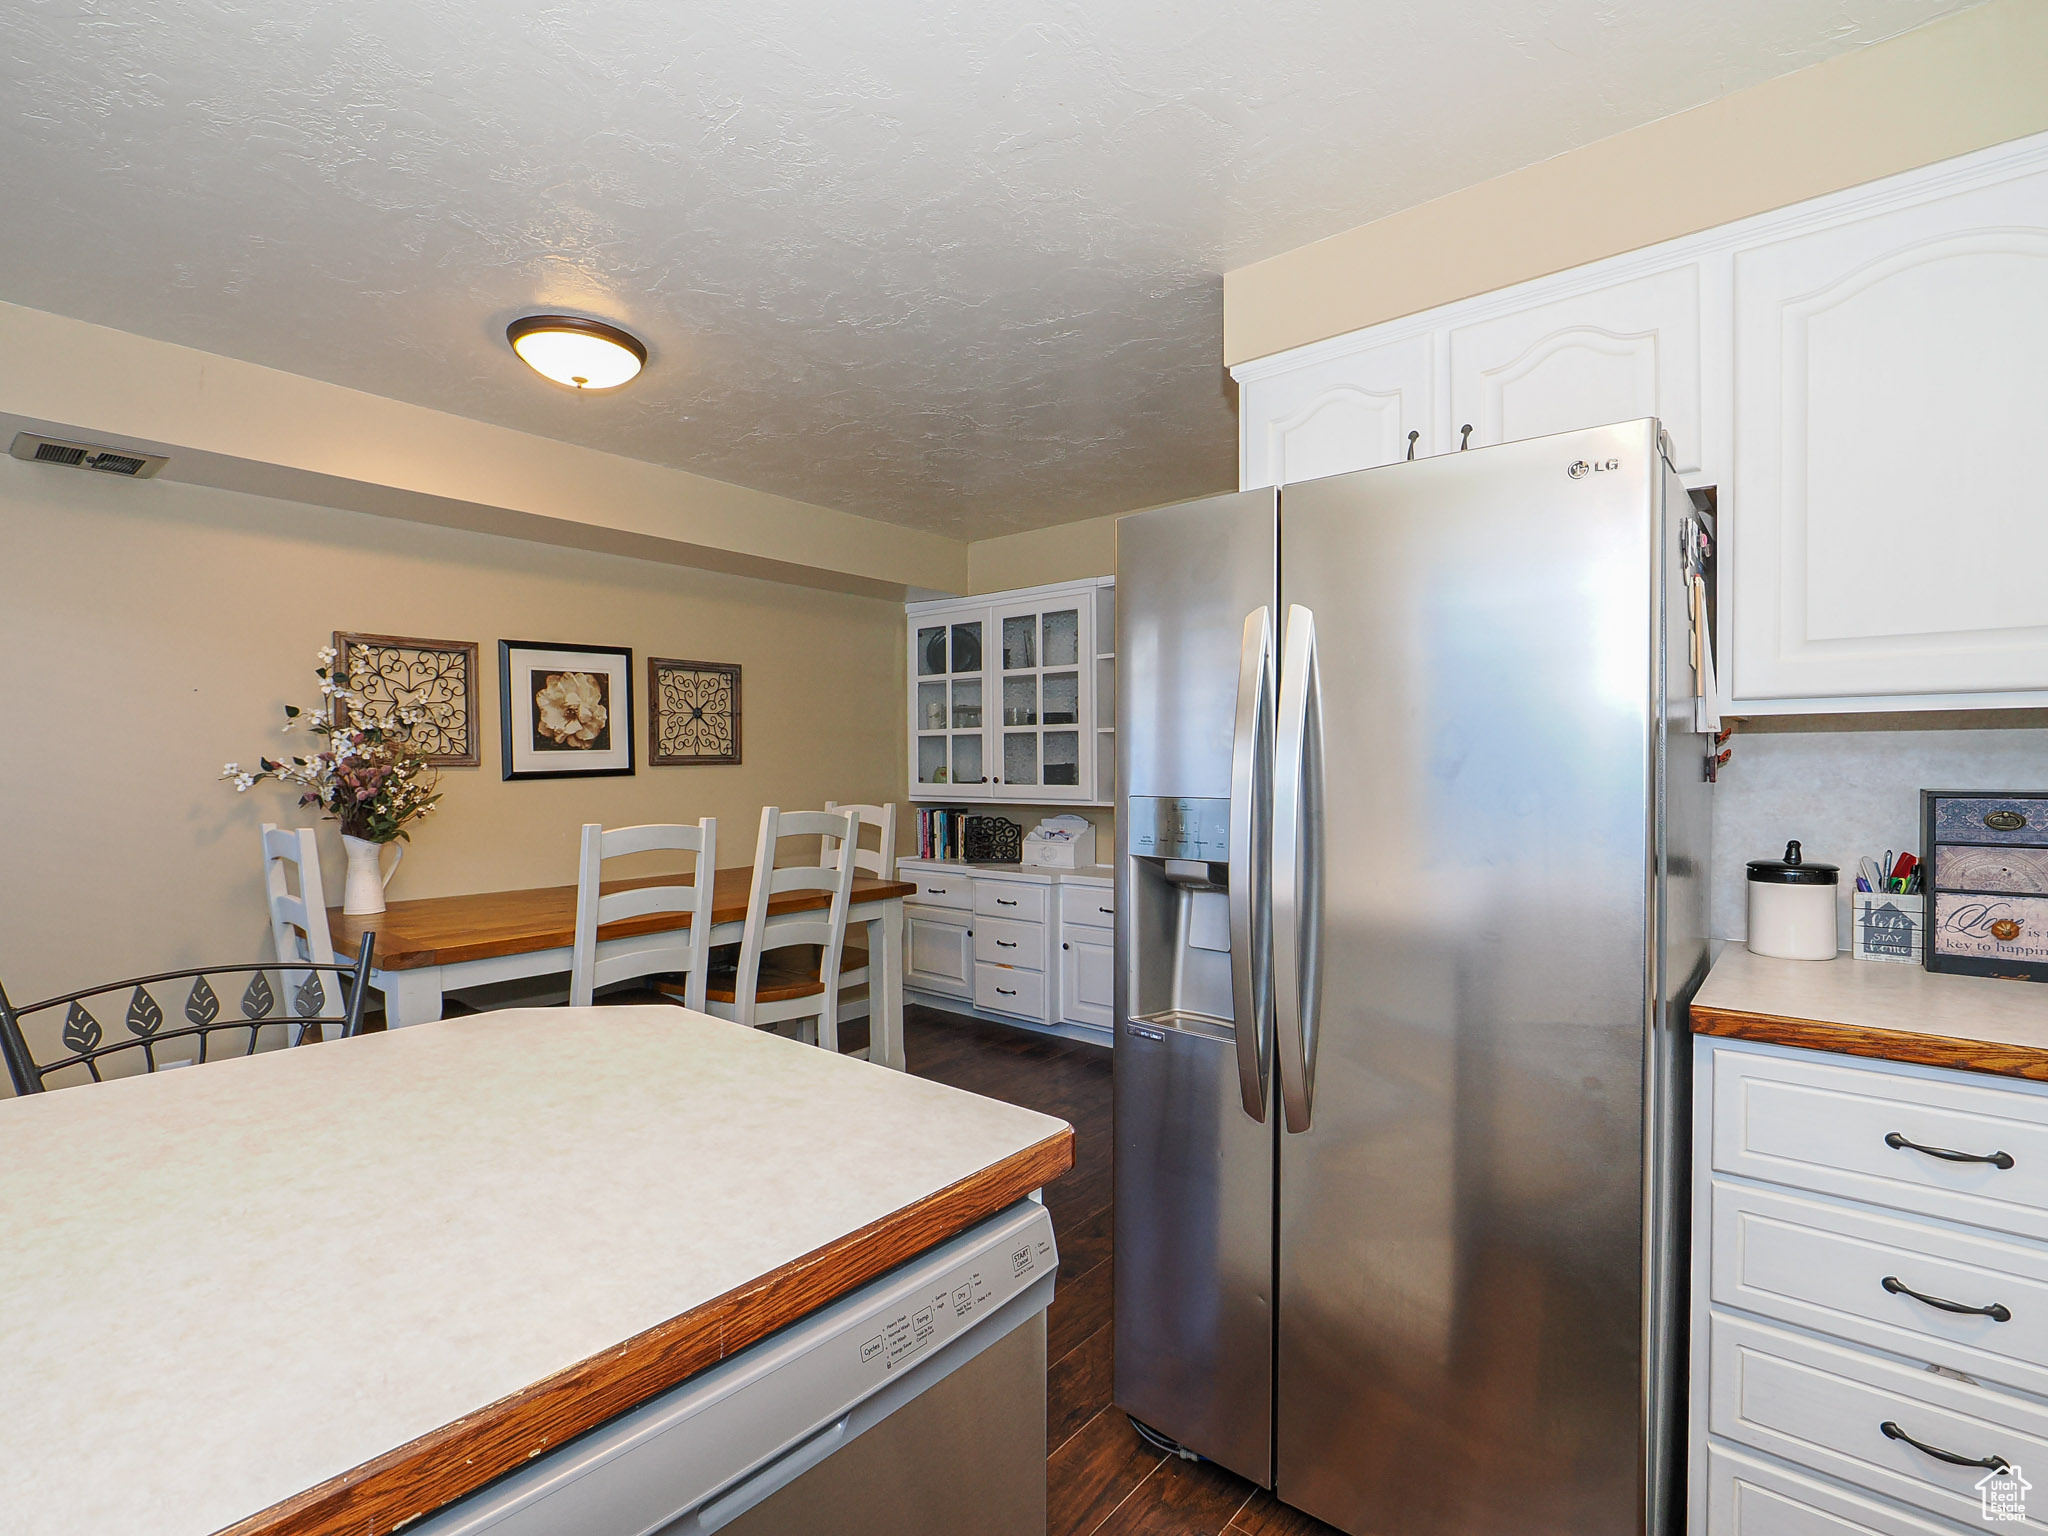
{"x": 1069, "y": 552}
{"x": 152, "y": 631}
{"x": 1964, "y": 83}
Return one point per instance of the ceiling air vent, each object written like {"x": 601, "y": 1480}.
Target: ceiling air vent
{"x": 108, "y": 461}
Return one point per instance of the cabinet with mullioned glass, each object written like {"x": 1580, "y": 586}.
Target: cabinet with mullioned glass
{"x": 1013, "y": 696}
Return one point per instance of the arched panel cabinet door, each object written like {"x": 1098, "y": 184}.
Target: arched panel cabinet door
{"x": 1613, "y": 354}
{"x": 1351, "y": 409}
{"x": 1888, "y": 532}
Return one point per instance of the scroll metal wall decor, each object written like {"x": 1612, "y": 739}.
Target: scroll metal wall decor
{"x": 694, "y": 707}
{"x": 435, "y": 677}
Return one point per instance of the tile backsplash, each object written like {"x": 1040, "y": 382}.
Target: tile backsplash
{"x": 1847, "y": 786}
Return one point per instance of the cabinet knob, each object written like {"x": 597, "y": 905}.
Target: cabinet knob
{"x": 1064, "y": 945}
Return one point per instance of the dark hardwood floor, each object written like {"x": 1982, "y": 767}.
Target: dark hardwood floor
{"x": 1101, "y": 1478}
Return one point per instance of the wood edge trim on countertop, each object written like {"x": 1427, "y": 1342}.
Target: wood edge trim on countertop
{"x": 415, "y": 1479}
{"x": 1989, "y": 1056}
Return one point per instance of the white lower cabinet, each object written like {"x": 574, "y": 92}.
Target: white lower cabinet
{"x": 1087, "y": 977}
{"x": 1870, "y": 1314}
{"x": 1748, "y": 1496}
{"x": 1033, "y": 945}
{"x": 1005, "y": 989}
{"x": 938, "y": 951}
{"x": 1847, "y": 1412}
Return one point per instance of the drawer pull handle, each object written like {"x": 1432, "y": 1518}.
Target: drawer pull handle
{"x": 1996, "y": 1159}
{"x": 1892, "y": 1431}
{"x": 935, "y": 890}
{"x": 1006, "y": 991}
{"x": 1005, "y": 944}
{"x": 1997, "y": 1311}
{"x": 1002, "y": 902}
{"x": 1107, "y": 911}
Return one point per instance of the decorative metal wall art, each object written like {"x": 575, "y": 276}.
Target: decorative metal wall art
{"x": 694, "y": 712}
{"x": 435, "y": 677}
{"x": 565, "y": 711}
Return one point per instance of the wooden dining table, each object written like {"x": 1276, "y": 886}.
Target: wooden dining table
{"x": 441, "y": 944}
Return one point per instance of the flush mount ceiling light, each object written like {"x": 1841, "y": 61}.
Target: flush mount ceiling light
{"x": 583, "y": 354}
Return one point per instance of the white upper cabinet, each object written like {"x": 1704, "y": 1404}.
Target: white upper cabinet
{"x": 1890, "y": 528}
{"x": 1013, "y": 695}
{"x": 1613, "y": 354}
{"x": 1353, "y": 411}
{"x": 1862, "y": 377}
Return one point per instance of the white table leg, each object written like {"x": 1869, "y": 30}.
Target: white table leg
{"x": 410, "y": 997}
{"x": 885, "y": 987}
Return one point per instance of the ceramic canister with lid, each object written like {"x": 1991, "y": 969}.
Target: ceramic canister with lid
{"x": 1792, "y": 907}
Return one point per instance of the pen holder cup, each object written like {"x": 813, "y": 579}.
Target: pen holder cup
{"x": 1889, "y": 927}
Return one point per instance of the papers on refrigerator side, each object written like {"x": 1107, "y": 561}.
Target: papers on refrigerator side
{"x": 1698, "y": 546}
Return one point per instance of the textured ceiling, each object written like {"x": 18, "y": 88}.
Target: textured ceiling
{"x": 956, "y": 265}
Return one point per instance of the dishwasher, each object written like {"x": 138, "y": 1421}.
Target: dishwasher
{"x": 915, "y": 1404}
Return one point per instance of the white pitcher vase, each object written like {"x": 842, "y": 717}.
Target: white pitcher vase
{"x": 364, "y": 893}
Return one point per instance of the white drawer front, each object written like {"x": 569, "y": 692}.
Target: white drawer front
{"x": 1089, "y": 906}
{"x": 1002, "y": 990}
{"x": 936, "y": 888}
{"x": 1821, "y": 1405}
{"x": 1008, "y": 942}
{"x": 1749, "y": 1497}
{"x": 1816, "y": 1125}
{"x": 1009, "y": 898}
{"x": 1825, "y": 1267}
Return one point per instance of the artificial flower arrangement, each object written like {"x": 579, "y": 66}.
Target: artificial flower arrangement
{"x": 368, "y": 775}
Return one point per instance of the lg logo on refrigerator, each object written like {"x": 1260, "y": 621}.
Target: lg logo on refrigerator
{"x": 1580, "y": 468}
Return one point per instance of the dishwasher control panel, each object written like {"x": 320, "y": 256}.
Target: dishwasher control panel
{"x": 955, "y": 1299}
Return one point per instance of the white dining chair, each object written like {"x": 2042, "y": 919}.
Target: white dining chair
{"x": 876, "y": 861}
{"x": 672, "y": 950}
{"x": 853, "y": 969}
{"x": 298, "y": 902}
{"x": 762, "y": 991}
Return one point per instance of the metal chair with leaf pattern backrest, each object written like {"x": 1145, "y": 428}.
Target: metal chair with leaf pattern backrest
{"x": 295, "y": 997}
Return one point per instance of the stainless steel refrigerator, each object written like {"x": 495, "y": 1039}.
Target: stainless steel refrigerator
{"x": 1411, "y": 862}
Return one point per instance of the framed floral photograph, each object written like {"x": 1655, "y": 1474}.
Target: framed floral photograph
{"x": 693, "y": 712}
{"x": 565, "y": 711}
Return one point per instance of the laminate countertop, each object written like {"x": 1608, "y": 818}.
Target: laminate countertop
{"x": 1871, "y": 1008}
{"x": 329, "y": 1289}
{"x": 1087, "y": 874}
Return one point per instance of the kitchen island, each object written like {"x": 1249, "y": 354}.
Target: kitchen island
{"x": 335, "y": 1288}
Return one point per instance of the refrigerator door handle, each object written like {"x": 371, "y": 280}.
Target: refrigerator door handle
{"x": 1251, "y": 914}
{"x": 1298, "y": 868}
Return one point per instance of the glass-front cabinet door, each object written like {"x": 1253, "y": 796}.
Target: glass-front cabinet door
{"x": 1045, "y": 672}
{"x": 949, "y": 668}
{"x": 1012, "y": 696}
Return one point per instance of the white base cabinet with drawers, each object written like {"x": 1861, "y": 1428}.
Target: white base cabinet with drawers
{"x": 1870, "y": 1295}
{"x": 1015, "y": 946}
